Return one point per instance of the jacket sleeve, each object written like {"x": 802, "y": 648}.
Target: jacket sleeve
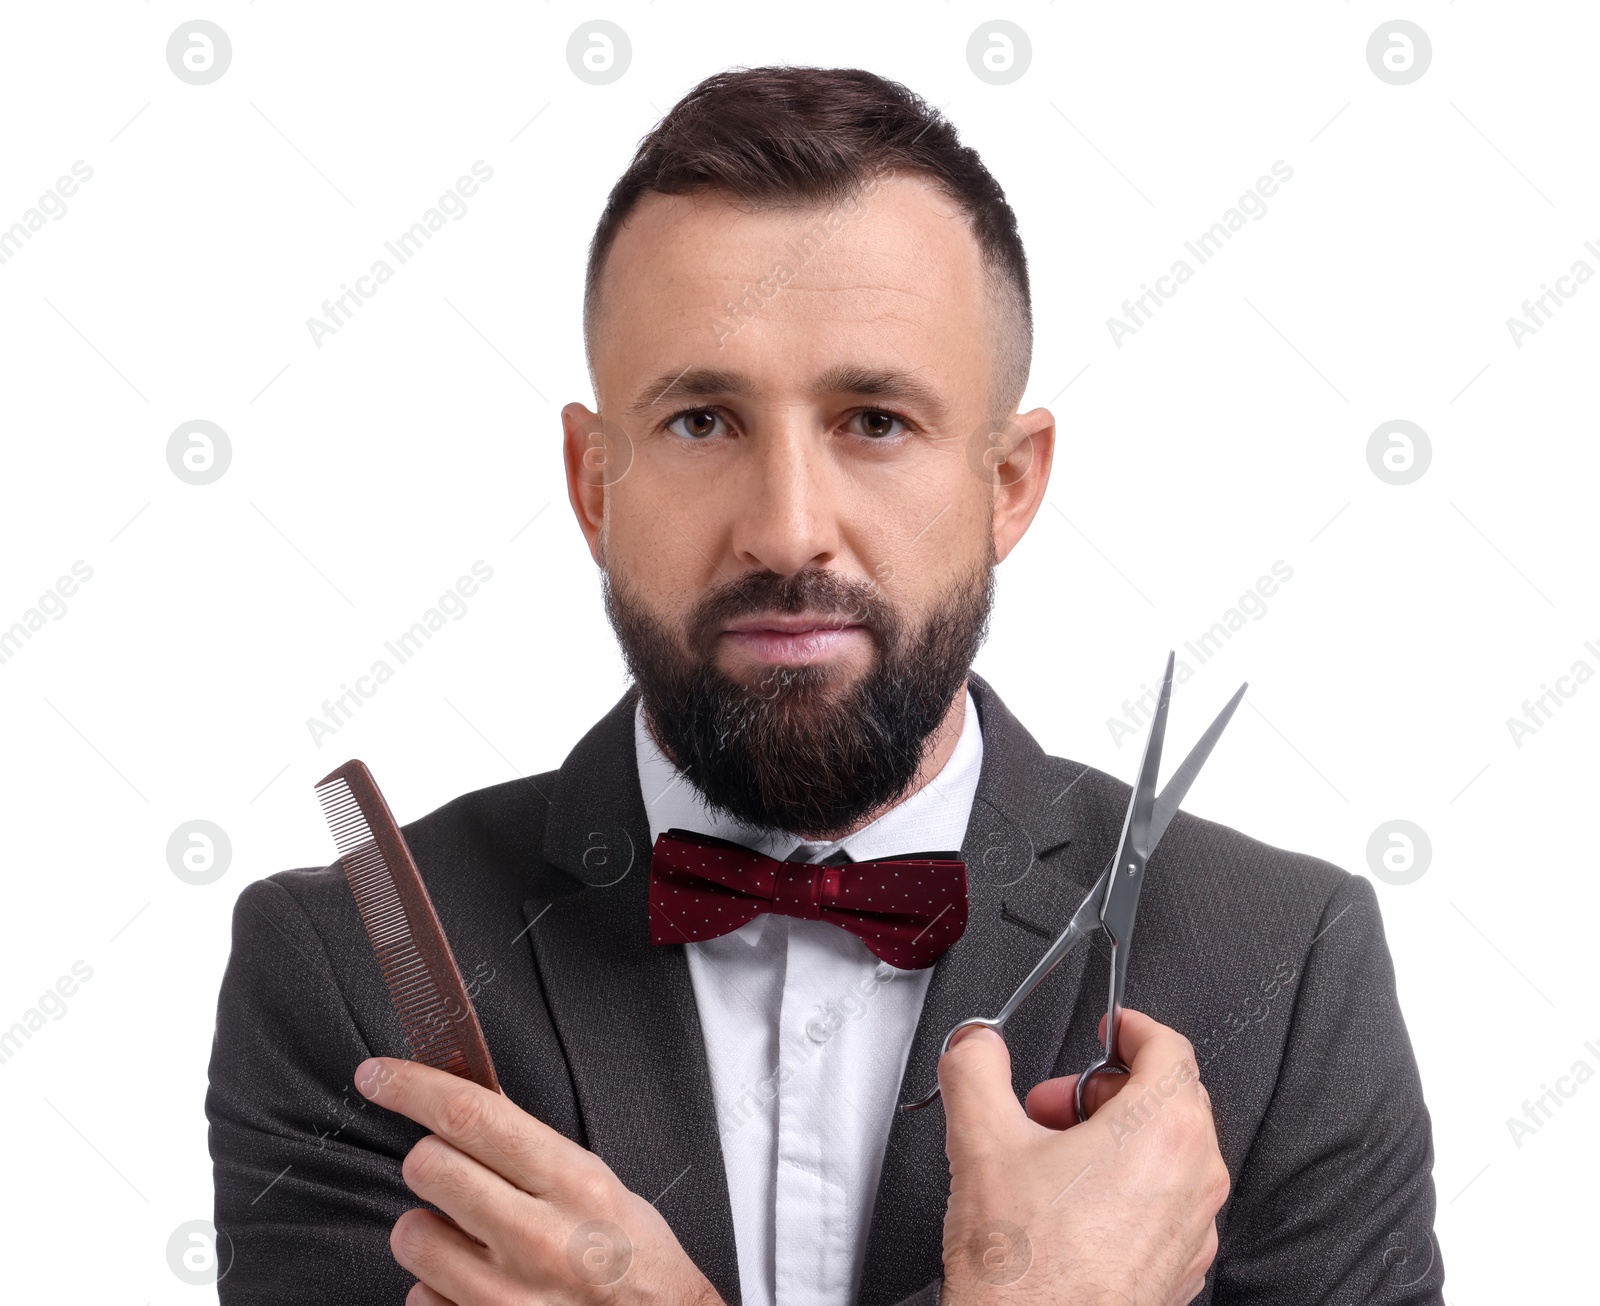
{"x": 307, "y": 1178}
{"x": 1334, "y": 1200}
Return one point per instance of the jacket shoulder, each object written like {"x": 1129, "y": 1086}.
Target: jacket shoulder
{"x": 1207, "y": 870}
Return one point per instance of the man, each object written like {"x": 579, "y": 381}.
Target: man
{"x": 808, "y": 326}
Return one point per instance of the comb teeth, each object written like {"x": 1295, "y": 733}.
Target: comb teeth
{"x": 431, "y": 1018}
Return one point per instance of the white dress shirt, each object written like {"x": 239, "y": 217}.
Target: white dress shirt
{"x": 806, "y": 1036}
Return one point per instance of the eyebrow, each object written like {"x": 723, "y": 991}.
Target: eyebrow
{"x": 843, "y": 379}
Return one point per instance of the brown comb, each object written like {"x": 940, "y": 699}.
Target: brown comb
{"x": 441, "y": 1028}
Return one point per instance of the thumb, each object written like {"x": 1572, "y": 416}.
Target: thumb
{"x": 979, "y": 1102}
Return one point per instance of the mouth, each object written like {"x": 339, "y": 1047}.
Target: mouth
{"x": 795, "y": 639}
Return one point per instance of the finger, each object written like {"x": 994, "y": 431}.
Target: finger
{"x": 489, "y": 1127}
{"x": 443, "y": 1258}
{"x": 1156, "y": 1056}
{"x": 488, "y": 1209}
{"x": 422, "y": 1295}
{"x": 1053, "y": 1102}
{"x": 975, "y": 1081}
{"x": 1147, "y": 1047}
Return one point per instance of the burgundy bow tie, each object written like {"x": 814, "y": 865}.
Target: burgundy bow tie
{"x": 907, "y": 910}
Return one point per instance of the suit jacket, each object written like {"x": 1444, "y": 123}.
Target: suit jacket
{"x": 1273, "y": 963}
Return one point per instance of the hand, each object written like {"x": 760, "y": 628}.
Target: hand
{"x": 533, "y": 1216}
{"x": 1121, "y": 1208}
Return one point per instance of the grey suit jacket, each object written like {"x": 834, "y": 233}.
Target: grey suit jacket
{"x": 1273, "y": 963}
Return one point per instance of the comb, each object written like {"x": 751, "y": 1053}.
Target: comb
{"x": 441, "y": 1028}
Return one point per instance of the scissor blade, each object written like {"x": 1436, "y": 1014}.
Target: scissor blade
{"x": 1166, "y": 806}
{"x": 1087, "y": 918}
{"x": 1133, "y": 849}
{"x": 1141, "y": 807}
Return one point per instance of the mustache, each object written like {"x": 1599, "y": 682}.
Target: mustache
{"x": 812, "y": 589}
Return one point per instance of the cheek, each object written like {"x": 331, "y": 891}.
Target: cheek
{"x": 657, "y": 581}
{"x": 660, "y": 542}
{"x": 916, "y": 545}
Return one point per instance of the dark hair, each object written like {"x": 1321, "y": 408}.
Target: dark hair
{"x": 817, "y": 136}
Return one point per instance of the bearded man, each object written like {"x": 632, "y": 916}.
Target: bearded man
{"x": 808, "y": 324}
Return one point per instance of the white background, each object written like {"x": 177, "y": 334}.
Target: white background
{"x": 366, "y": 475}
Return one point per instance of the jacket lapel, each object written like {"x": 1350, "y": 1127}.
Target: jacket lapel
{"x": 625, "y": 1011}
{"x": 1022, "y": 878}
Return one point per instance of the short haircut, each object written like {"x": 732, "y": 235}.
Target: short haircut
{"x": 817, "y": 137}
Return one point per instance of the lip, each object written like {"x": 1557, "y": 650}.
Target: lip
{"x": 790, "y": 623}
{"x": 795, "y": 639}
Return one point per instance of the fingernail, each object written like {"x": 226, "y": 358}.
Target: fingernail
{"x": 367, "y": 1077}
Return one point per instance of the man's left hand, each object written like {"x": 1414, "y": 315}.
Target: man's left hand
{"x": 535, "y": 1216}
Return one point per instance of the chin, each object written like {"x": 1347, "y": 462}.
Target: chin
{"x": 773, "y": 679}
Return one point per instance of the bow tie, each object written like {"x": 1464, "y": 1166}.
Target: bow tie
{"x": 908, "y": 910}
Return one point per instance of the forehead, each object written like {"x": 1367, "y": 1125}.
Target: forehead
{"x": 895, "y": 277}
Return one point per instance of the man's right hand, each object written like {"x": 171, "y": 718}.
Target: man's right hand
{"x": 1121, "y": 1208}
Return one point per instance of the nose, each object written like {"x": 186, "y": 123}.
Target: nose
{"x": 787, "y": 515}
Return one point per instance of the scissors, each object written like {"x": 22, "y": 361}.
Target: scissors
{"x": 1110, "y": 906}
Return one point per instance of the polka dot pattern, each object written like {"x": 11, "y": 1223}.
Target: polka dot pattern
{"x": 908, "y": 910}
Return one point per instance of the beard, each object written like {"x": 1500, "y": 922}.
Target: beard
{"x": 801, "y": 750}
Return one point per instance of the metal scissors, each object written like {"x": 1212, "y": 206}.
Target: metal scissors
{"x": 1110, "y": 906}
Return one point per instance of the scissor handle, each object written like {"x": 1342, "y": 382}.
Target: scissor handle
{"x": 996, "y": 1023}
{"x": 1104, "y": 1066}
{"x": 1110, "y": 1062}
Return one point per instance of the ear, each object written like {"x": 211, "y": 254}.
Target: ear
{"x": 585, "y": 490}
{"x": 1022, "y": 472}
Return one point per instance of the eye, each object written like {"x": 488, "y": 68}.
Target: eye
{"x": 876, "y": 424}
{"x": 697, "y": 423}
